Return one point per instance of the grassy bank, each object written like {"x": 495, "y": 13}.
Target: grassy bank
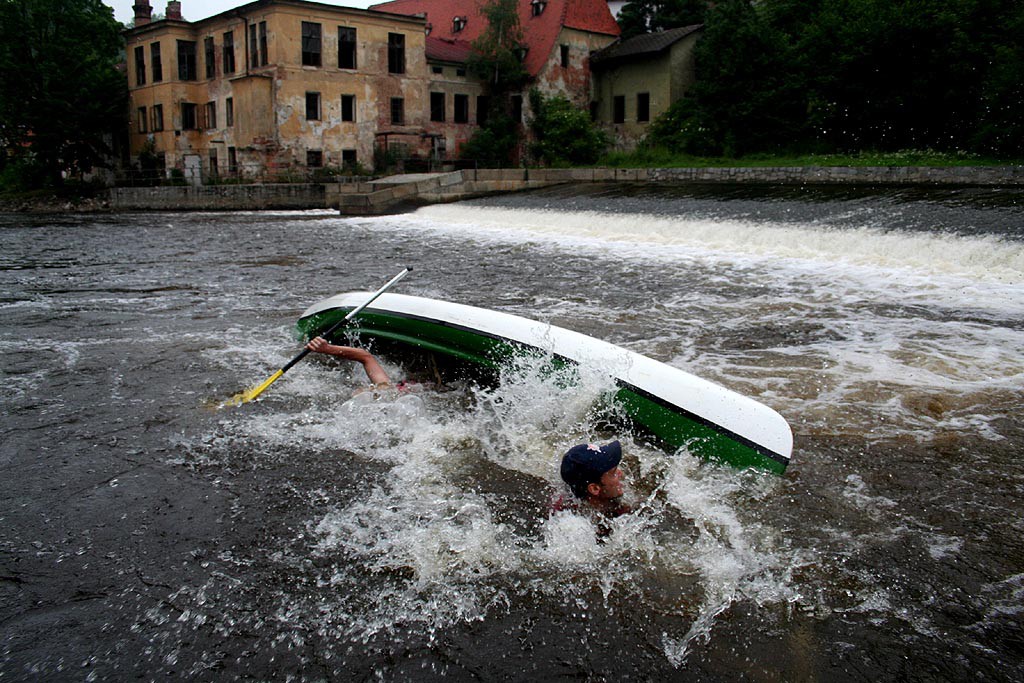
{"x": 662, "y": 158}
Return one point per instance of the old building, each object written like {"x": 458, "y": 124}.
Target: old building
{"x": 636, "y": 80}
{"x": 274, "y": 86}
{"x": 280, "y": 87}
{"x": 558, "y": 36}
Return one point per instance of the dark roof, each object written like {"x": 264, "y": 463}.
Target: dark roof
{"x": 646, "y": 44}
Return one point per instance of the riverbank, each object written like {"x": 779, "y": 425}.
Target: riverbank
{"x": 398, "y": 193}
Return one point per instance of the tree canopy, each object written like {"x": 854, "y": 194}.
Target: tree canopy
{"x": 63, "y": 97}
{"x": 851, "y": 75}
{"x": 649, "y": 16}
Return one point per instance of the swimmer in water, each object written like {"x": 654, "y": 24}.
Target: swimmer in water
{"x": 593, "y": 475}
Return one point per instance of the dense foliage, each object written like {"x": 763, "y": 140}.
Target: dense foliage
{"x": 848, "y": 75}
{"x": 63, "y": 97}
{"x": 493, "y": 145}
{"x": 497, "y": 58}
{"x": 563, "y": 133}
{"x": 648, "y": 16}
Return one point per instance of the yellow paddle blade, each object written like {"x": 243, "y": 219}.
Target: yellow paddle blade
{"x": 250, "y": 394}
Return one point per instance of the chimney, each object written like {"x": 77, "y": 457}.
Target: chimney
{"x": 174, "y": 10}
{"x": 143, "y": 12}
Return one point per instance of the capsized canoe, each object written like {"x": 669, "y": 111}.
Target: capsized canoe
{"x": 678, "y": 408}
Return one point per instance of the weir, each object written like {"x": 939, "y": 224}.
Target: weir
{"x": 394, "y": 194}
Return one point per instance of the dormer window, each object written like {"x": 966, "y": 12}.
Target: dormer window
{"x": 428, "y": 28}
{"x": 521, "y": 52}
{"x": 458, "y": 23}
{"x": 537, "y": 7}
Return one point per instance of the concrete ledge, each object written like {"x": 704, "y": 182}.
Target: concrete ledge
{"x": 219, "y": 197}
{"x": 387, "y": 195}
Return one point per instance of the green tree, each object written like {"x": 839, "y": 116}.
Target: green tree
{"x": 497, "y": 56}
{"x": 497, "y": 59}
{"x": 1000, "y": 124}
{"x": 649, "y": 16}
{"x": 63, "y": 97}
{"x": 562, "y": 132}
{"x": 748, "y": 97}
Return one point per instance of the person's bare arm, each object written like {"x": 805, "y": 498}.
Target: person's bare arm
{"x": 373, "y": 369}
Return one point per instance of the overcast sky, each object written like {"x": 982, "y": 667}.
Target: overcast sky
{"x": 194, "y": 10}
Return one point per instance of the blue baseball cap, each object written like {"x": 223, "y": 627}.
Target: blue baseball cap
{"x": 587, "y": 463}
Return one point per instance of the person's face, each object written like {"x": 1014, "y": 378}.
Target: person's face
{"x": 610, "y": 485}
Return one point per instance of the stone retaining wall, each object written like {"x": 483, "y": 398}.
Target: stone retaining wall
{"x": 220, "y": 197}
{"x": 390, "y": 195}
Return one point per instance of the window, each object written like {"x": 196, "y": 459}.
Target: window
{"x": 211, "y": 114}
{"x": 311, "y": 44}
{"x": 263, "y": 43}
{"x": 142, "y": 119}
{"x": 458, "y": 23}
{"x": 258, "y": 45}
{"x": 156, "y": 114}
{"x": 437, "y": 106}
{"x": 140, "y": 65}
{"x": 254, "y": 47}
{"x": 348, "y": 158}
{"x": 396, "y": 53}
{"x": 437, "y": 69}
{"x": 482, "y": 104}
{"x": 643, "y": 106}
{"x": 462, "y": 109}
{"x": 346, "y": 47}
{"x": 208, "y": 52}
{"x": 397, "y": 111}
{"x": 460, "y": 72}
{"x": 312, "y": 106}
{"x": 229, "y": 111}
{"x": 537, "y": 7}
{"x": 565, "y": 56}
{"x": 348, "y": 107}
{"x": 188, "y": 116}
{"x": 232, "y": 160}
{"x": 213, "y": 162}
{"x": 517, "y": 108}
{"x": 619, "y": 109}
{"x": 229, "y": 52}
{"x": 186, "y": 60}
{"x": 314, "y": 158}
{"x": 154, "y": 58}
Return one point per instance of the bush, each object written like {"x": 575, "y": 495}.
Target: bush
{"x": 563, "y": 133}
{"x": 21, "y": 175}
{"x": 493, "y": 145}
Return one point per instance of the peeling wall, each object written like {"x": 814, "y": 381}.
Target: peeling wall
{"x": 453, "y": 80}
{"x": 271, "y": 132}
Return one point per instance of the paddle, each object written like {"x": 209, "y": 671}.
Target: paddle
{"x": 250, "y": 394}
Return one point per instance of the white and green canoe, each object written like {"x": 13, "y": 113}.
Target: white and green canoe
{"x": 679, "y": 409}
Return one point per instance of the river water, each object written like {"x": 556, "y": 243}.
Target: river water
{"x": 311, "y": 536}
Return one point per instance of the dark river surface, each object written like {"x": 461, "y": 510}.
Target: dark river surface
{"x": 313, "y": 536}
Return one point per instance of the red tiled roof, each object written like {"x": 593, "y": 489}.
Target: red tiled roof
{"x": 539, "y": 33}
{"x": 444, "y": 50}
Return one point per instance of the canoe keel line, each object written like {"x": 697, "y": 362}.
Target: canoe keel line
{"x": 677, "y": 408}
